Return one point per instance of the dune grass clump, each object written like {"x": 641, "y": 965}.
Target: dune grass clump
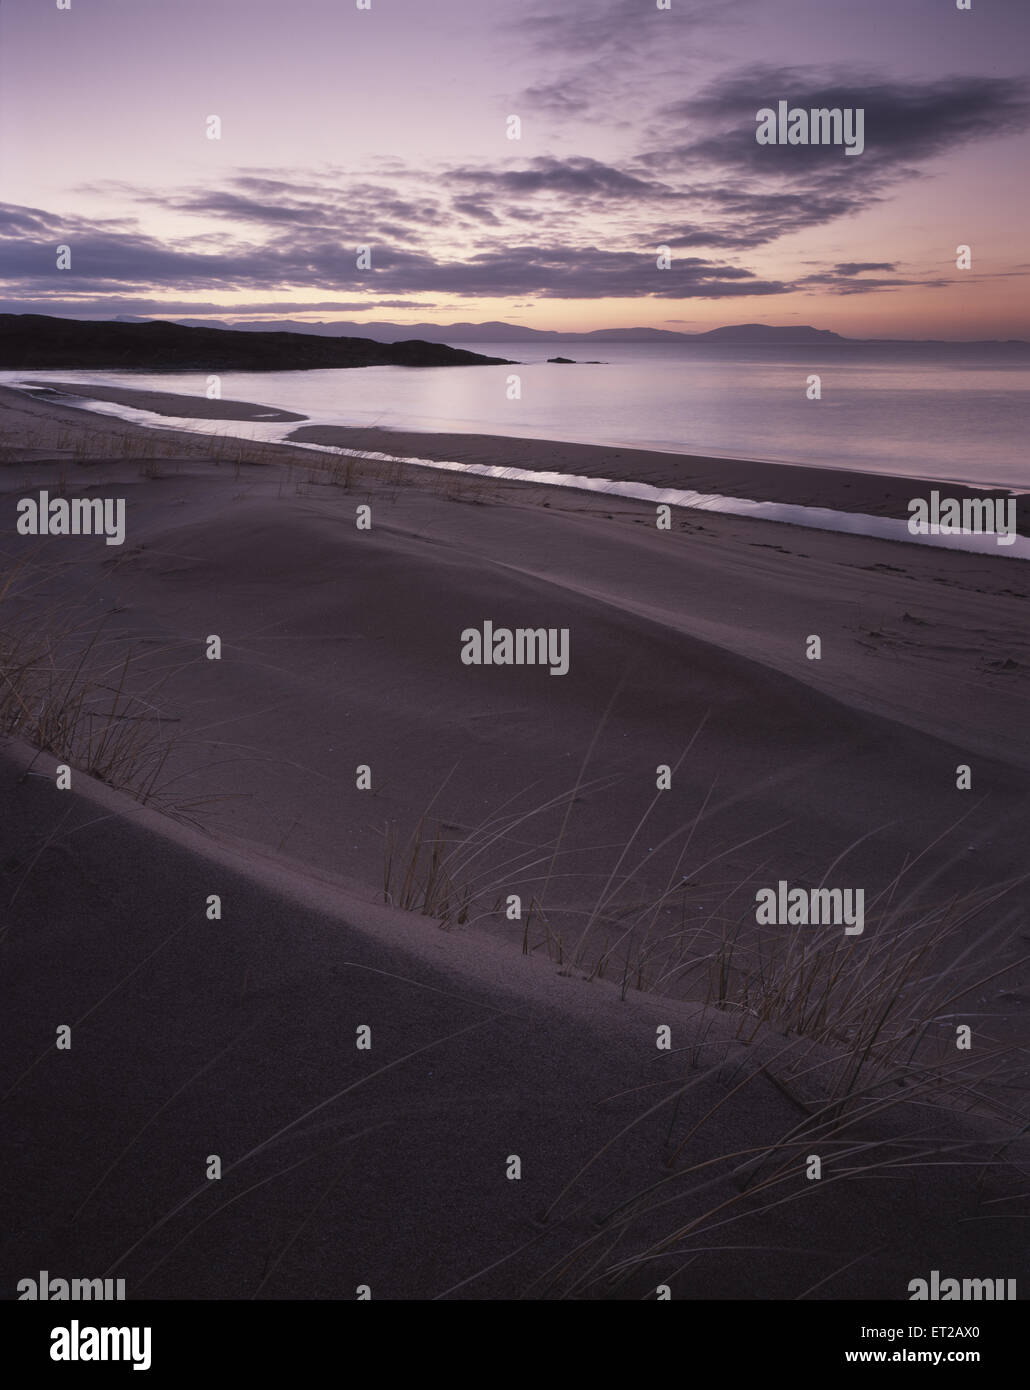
{"x": 416, "y": 877}
{"x": 65, "y": 690}
{"x": 706, "y": 1199}
{"x": 855, "y": 1037}
{"x": 886, "y": 998}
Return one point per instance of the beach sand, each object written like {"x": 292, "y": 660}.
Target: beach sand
{"x": 340, "y": 648}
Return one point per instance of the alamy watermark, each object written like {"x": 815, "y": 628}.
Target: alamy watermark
{"x": 796, "y": 125}
{"x": 947, "y": 1290}
{"x": 973, "y": 516}
{"x": 828, "y": 907}
{"x": 80, "y": 516}
{"x": 50, "y": 1289}
{"x": 78, "y": 1343}
{"x": 520, "y": 646}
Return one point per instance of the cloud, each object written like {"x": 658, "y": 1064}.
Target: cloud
{"x": 113, "y": 306}
{"x": 126, "y": 262}
{"x": 905, "y": 122}
{"x": 478, "y": 211}
{"x": 852, "y": 277}
{"x": 622, "y": 28}
{"x": 860, "y": 267}
{"x": 578, "y": 177}
{"x": 752, "y": 194}
{"x": 610, "y": 60}
{"x": 547, "y": 226}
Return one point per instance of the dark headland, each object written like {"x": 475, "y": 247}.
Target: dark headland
{"x": 31, "y": 342}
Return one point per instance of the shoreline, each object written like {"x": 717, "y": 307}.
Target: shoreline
{"x": 877, "y": 495}
{"x": 340, "y": 650}
{"x": 717, "y": 548}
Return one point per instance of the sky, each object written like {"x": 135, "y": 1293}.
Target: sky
{"x": 389, "y": 128}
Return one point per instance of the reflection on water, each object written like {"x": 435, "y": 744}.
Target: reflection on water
{"x": 818, "y": 518}
{"x": 960, "y": 416}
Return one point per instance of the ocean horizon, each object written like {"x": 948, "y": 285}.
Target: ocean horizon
{"x": 903, "y": 410}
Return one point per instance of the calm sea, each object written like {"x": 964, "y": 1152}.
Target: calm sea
{"x": 957, "y": 414}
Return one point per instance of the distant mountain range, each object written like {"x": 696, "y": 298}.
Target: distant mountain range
{"x": 33, "y": 342}
{"x": 749, "y": 334}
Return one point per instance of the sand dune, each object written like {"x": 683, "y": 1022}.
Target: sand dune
{"x": 340, "y": 648}
{"x": 384, "y": 1167}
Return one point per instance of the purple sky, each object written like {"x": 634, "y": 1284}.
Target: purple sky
{"x": 387, "y": 128}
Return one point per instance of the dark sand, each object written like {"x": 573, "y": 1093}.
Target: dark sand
{"x": 388, "y": 1167}
{"x": 341, "y": 648}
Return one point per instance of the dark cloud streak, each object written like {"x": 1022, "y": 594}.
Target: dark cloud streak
{"x": 545, "y": 227}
